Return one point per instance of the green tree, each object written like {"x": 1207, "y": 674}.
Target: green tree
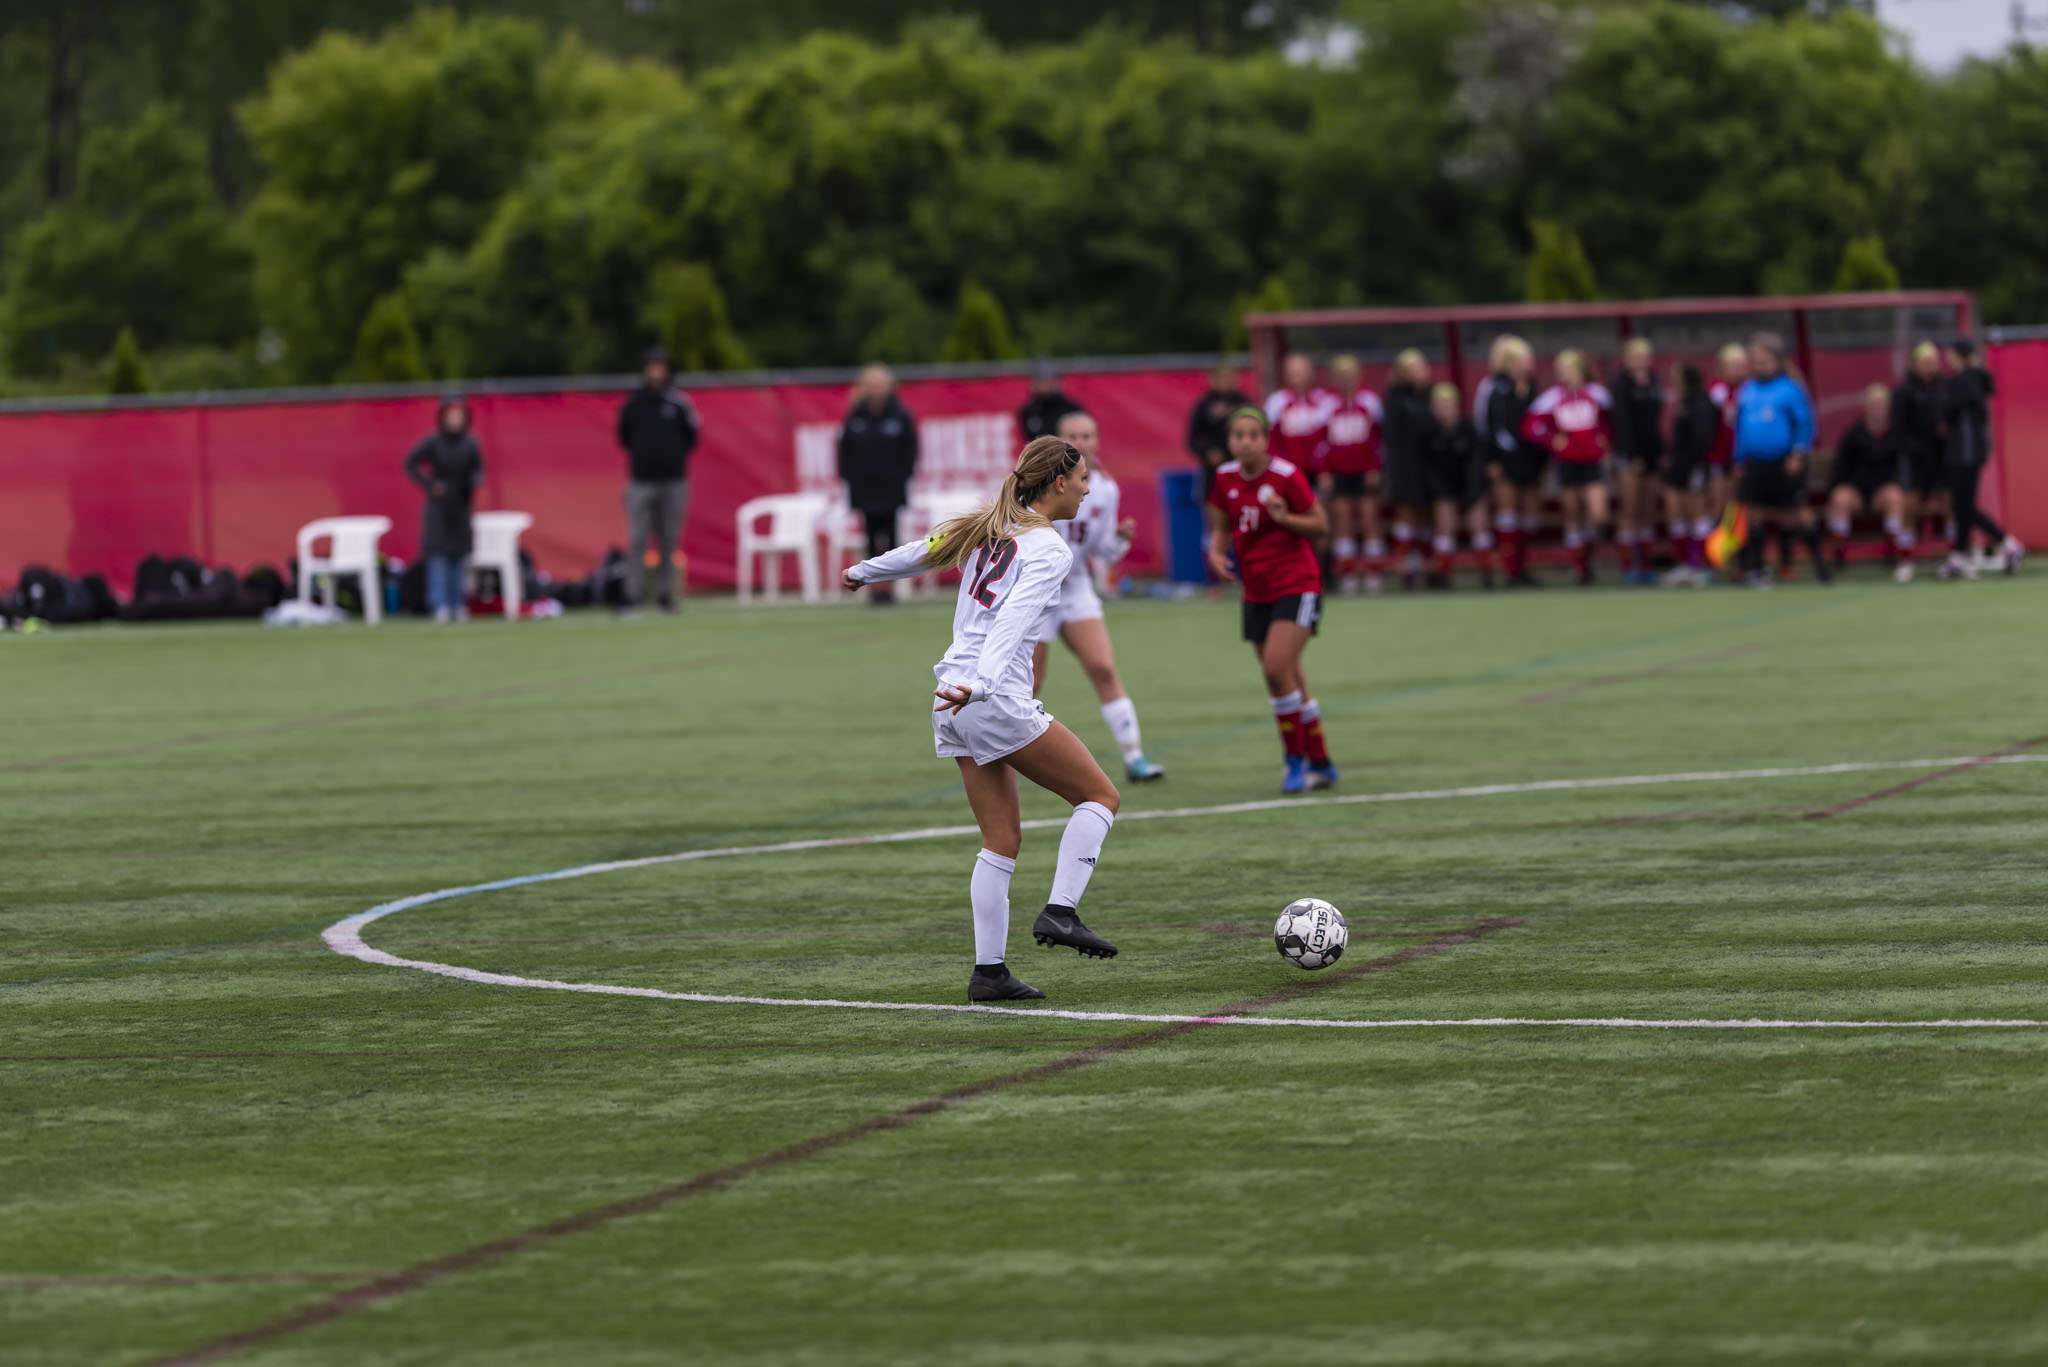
{"x": 142, "y": 239}
{"x": 377, "y": 153}
{"x": 1272, "y": 296}
{"x": 1703, "y": 155}
{"x": 387, "y": 345}
{"x": 686, "y": 309}
{"x": 1558, "y": 269}
{"x": 1985, "y": 149}
{"x": 1865, "y": 266}
{"x": 980, "y": 331}
{"x": 126, "y": 371}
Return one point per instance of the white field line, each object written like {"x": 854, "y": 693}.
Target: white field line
{"x": 346, "y": 936}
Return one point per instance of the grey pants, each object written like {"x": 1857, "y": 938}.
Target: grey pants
{"x": 654, "y": 512}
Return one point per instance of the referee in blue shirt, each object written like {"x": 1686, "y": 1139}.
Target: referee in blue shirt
{"x": 1773, "y": 437}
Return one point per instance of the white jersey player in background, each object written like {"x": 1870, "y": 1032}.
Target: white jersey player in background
{"x": 1012, "y": 564}
{"x": 1094, "y": 534}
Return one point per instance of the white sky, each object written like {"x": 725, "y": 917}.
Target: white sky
{"x": 1943, "y": 32}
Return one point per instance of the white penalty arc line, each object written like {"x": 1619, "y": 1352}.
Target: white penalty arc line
{"x": 346, "y": 936}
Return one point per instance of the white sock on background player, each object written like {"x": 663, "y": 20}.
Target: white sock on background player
{"x": 1080, "y": 847}
{"x": 991, "y": 892}
{"x": 1121, "y": 716}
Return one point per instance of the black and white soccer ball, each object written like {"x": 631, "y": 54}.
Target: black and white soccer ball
{"x": 1310, "y": 933}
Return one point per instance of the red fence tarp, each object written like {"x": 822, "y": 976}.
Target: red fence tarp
{"x": 231, "y": 483}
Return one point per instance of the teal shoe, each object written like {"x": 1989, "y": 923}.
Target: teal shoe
{"x": 1142, "y": 770}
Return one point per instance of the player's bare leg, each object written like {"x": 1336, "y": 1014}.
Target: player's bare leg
{"x": 1372, "y": 537}
{"x": 992, "y": 793}
{"x": 1059, "y": 763}
{"x": 1479, "y": 530}
{"x": 1343, "y": 539}
{"x": 1443, "y": 541}
{"x": 1627, "y": 530}
{"x": 1089, "y": 640}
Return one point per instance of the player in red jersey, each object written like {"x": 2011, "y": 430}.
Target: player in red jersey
{"x": 1350, "y": 484}
{"x": 1262, "y": 507}
{"x": 1571, "y": 418}
{"x": 1734, "y": 369}
{"x": 1297, "y": 412}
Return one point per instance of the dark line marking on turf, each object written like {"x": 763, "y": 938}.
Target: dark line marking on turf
{"x": 173, "y": 1279}
{"x": 563, "y": 1050}
{"x": 1603, "y": 680}
{"x": 1881, "y": 794}
{"x": 394, "y": 1284}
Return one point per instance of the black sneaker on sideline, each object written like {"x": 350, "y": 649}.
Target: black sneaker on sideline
{"x": 985, "y": 987}
{"x": 1062, "y": 926}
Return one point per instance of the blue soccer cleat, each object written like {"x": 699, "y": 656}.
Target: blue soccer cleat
{"x": 1322, "y": 776}
{"x": 1142, "y": 770}
{"x": 1296, "y": 778}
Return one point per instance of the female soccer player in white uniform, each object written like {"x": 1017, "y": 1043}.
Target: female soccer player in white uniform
{"x": 1012, "y": 564}
{"x": 1094, "y": 533}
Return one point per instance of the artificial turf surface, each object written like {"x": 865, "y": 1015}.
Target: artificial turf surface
{"x": 209, "y": 1121}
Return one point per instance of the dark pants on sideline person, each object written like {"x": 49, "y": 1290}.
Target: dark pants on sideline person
{"x": 880, "y": 522}
{"x": 654, "y": 513}
{"x": 1963, "y": 507}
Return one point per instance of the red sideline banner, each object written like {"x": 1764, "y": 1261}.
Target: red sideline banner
{"x": 2016, "y": 482}
{"x": 231, "y": 484}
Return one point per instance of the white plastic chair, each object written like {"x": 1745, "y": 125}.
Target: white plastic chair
{"x": 846, "y": 541}
{"x": 352, "y": 549}
{"x": 794, "y": 522}
{"x": 494, "y": 545}
{"x": 929, "y": 508}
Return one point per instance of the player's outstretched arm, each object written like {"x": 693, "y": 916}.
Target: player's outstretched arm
{"x": 913, "y": 557}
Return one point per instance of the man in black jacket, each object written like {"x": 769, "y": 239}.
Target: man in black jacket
{"x": 1040, "y": 416}
{"x": 1966, "y": 426}
{"x": 1209, "y": 423}
{"x": 658, "y": 429}
{"x": 877, "y": 457}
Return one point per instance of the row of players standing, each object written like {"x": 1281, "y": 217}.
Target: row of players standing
{"x": 1441, "y": 472}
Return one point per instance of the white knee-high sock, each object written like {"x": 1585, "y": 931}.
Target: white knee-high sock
{"x": 991, "y": 891}
{"x": 1080, "y": 847}
{"x": 1121, "y": 716}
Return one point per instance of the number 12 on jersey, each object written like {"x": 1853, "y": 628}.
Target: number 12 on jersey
{"x": 994, "y": 564}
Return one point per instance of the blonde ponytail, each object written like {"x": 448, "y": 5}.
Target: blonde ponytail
{"x": 1038, "y": 465}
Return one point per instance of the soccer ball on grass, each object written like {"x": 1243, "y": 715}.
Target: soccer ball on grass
{"x": 1310, "y": 933}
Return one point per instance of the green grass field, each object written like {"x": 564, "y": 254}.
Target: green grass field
{"x": 221, "y": 1140}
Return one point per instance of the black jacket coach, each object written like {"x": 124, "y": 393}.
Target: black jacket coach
{"x": 658, "y": 429}
{"x": 1040, "y": 416}
{"x": 878, "y": 454}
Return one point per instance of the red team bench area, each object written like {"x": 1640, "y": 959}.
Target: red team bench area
{"x": 96, "y": 485}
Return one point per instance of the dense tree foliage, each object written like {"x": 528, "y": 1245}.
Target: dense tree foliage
{"x": 535, "y": 186}
{"x": 142, "y": 242}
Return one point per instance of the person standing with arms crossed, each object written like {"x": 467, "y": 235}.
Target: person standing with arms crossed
{"x": 658, "y": 429}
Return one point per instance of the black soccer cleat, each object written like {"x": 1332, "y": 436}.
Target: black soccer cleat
{"x": 1062, "y": 926}
{"x": 1006, "y": 987}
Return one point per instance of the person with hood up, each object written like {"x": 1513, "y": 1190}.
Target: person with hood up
{"x": 449, "y": 465}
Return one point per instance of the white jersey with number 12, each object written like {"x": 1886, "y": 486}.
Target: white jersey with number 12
{"x": 1005, "y": 590}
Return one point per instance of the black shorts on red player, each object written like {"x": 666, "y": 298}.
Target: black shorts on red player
{"x": 1264, "y": 512}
